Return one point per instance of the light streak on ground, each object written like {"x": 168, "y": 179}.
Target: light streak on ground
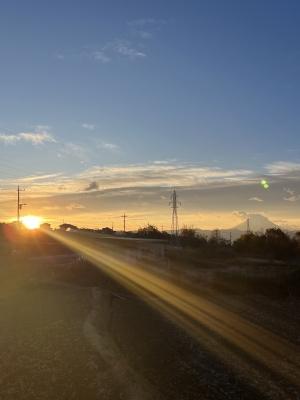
{"x": 244, "y": 346}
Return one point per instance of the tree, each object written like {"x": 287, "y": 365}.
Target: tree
{"x": 149, "y": 232}
{"x": 216, "y": 238}
{"x": 278, "y": 244}
{"x": 190, "y": 238}
{"x": 274, "y": 243}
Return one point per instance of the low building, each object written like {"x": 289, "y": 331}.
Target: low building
{"x": 45, "y": 226}
{"x": 64, "y": 227}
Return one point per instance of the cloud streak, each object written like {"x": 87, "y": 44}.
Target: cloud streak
{"x": 33, "y": 138}
{"x": 256, "y": 199}
{"x": 88, "y": 126}
{"x": 74, "y": 206}
{"x": 282, "y": 167}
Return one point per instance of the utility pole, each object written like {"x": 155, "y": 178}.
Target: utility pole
{"x": 20, "y": 205}
{"x": 175, "y": 242}
{"x": 124, "y": 216}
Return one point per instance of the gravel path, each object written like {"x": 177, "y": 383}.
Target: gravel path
{"x": 43, "y": 353}
{"x": 205, "y": 365}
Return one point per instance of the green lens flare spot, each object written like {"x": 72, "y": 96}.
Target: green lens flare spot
{"x": 266, "y": 186}
{"x": 263, "y": 182}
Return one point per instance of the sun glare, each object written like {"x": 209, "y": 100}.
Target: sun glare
{"x": 31, "y": 222}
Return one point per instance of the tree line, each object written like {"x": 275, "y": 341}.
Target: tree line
{"x": 274, "y": 243}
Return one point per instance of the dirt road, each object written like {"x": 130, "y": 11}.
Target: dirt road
{"x": 43, "y": 352}
{"x": 230, "y": 347}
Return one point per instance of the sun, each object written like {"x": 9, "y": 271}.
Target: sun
{"x": 31, "y": 222}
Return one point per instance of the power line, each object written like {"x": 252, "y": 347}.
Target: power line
{"x": 190, "y": 211}
{"x": 22, "y": 165}
{"x": 17, "y": 169}
{"x": 10, "y": 174}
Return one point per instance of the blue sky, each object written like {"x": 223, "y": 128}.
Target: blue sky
{"x": 110, "y": 106}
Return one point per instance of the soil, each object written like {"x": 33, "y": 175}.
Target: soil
{"x": 232, "y": 347}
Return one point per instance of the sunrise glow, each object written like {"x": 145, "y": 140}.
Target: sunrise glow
{"x": 31, "y": 222}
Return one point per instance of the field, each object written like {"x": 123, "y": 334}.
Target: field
{"x": 71, "y": 332}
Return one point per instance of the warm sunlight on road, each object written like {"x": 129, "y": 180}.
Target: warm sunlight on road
{"x": 31, "y": 221}
{"x": 241, "y": 344}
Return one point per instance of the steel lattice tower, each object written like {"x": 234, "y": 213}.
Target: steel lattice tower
{"x": 248, "y": 230}
{"x": 175, "y": 242}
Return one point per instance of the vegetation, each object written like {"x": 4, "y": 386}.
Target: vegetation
{"x": 151, "y": 232}
{"x": 273, "y": 244}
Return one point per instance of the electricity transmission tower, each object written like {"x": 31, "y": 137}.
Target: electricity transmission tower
{"x": 175, "y": 242}
{"x": 248, "y": 230}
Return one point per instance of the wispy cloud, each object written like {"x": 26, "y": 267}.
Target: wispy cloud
{"x": 292, "y": 198}
{"x": 256, "y": 199}
{"x": 89, "y": 126}
{"x": 282, "y": 167}
{"x": 240, "y": 214}
{"x": 145, "y": 35}
{"x": 59, "y": 56}
{"x": 145, "y": 21}
{"x": 40, "y": 177}
{"x": 73, "y": 150}
{"x": 40, "y": 136}
{"x": 289, "y": 191}
{"x": 99, "y": 55}
{"x": 168, "y": 161}
{"x": 166, "y": 175}
{"x": 74, "y": 206}
{"x": 123, "y": 46}
{"x": 105, "y": 145}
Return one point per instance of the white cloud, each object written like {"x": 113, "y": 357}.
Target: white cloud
{"x": 240, "y": 214}
{"x": 144, "y": 21}
{"x": 34, "y": 138}
{"x": 292, "y": 198}
{"x": 50, "y": 208}
{"x": 256, "y": 199}
{"x": 289, "y": 191}
{"x": 282, "y": 167}
{"x": 98, "y": 55}
{"x": 88, "y": 126}
{"x": 40, "y": 177}
{"x": 145, "y": 35}
{"x": 74, "y": 205}
{"x": 168, "y": 161}
{"x": 122, "y": 46}
{"x": 165, "y": 175}
{"x": 70, "y": 148}
{"x": 105, "y": 145}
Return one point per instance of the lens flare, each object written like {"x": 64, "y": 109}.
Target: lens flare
{"x": 31, "y": 222}
{"x": 202, "y": 318}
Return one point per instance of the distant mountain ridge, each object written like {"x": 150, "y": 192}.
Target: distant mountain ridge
{"x": 258, "y": 223}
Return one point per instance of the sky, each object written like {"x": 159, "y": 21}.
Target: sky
{"x": 107, "y": 107}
